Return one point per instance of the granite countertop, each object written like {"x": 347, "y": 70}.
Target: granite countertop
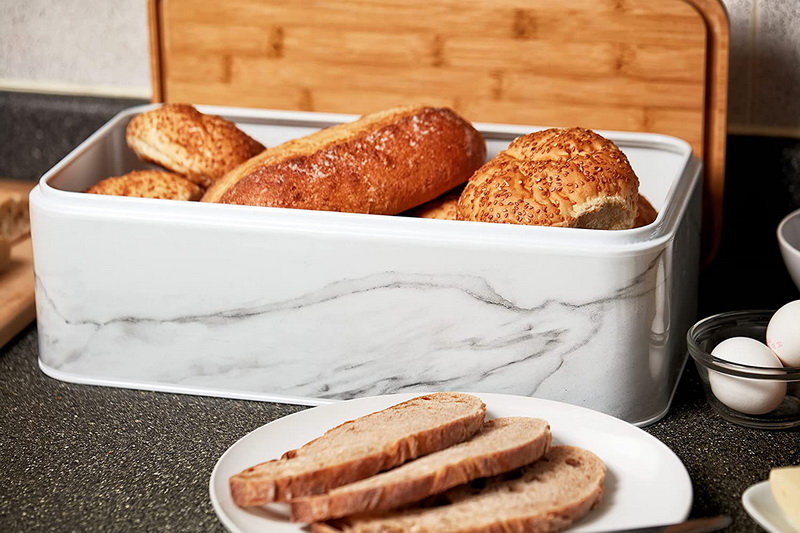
{"x": 84, "y": 458}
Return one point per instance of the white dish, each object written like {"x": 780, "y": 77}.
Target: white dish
{"x": 646, "y": 484}
{"x": 762, "y": 507}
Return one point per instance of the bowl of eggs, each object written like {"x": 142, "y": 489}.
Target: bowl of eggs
{"x": 749, "y": 363}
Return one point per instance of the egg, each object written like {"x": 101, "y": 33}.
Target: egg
{"x": 746, "y": 395}
{"x": 783, "y": 333}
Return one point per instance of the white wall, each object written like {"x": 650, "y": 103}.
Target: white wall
{"x": 100, "y": 47}
{"x": 75, "y": 46}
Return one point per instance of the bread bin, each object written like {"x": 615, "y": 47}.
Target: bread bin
{"x": 310, "y": 307}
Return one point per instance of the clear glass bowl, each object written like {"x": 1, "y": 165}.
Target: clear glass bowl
{"x": 708, "y": 333}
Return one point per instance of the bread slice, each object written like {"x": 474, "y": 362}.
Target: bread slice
{"x": 503, "y": 444}
{"x": 362, "y": 447}
{"x": 547, "y": 495}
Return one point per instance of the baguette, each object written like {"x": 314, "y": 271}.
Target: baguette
{"x": 383, "y": 163}
{"x": 569, "y": 177}
{"x": 547, "y": 495}
{"x": 503, "y": 444}
{"x": 361, "y": 448}
{"x": 196, "y": 145}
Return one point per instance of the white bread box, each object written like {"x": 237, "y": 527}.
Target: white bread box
{"x": 310, "y": 307}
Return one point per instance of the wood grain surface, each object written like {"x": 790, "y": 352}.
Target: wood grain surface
{"x": 17, "y": 304}
{"x": 632, "y": 65}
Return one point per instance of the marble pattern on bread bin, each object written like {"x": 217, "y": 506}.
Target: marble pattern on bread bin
{"x": 381, "y": 333}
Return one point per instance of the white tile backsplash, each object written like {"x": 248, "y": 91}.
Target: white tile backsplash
{"x": 101, "y": 47}
{"x": 91, "y": 45}
{"x": 740, "y": 79}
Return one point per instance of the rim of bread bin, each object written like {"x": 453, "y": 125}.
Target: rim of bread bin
{"x": 571, "y": 240}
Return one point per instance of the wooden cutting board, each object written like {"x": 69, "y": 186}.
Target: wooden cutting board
{"x": 17, "y": 305}
{"x": 636, "y": 65}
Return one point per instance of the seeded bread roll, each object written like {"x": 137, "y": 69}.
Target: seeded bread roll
{"x": 557, "y": 177}
{"x": 548, "y": 495}
{"x": 183, "y": 140}
{"x": 149, "y": 184}
{"x": 383, "y": 163}
{"x": 362, "y": 447}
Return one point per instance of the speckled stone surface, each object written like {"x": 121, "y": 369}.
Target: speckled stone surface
{"x": 85, "y": 458}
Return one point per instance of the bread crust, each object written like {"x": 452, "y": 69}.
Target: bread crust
{"x": 383, "y": 163}
{"x": 569, "y": 177}
{"x": 401, "y": 433}
{"x": 645, "y": 212}
{"x": 5, "y": 253}
{"x": 149, "y": 184}
{"x": 503, "y": 444}
{"x": 199, "y": 146}
{"x": 443, "y": 207}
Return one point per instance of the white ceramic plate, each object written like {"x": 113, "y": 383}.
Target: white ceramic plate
{"x": 759, "y": 503}
{"x": 646, "y": 483}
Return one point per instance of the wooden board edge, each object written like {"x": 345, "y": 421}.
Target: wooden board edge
{"x": 17, "y": 280}
{"x": 716, "y": 121}
{"x": 23, "y": 311}
{"x": 154, "y": 17}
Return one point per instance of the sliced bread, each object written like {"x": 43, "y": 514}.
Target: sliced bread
{"x": 503, "y": 444}
{"x": 362, "y": 447}
{"x": 545, "y": 496}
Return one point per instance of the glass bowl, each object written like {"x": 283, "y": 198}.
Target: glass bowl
{"x": 741, "y": 380}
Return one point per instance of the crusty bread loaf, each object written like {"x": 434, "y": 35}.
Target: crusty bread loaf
{"x": 503, "y": 444}
{"x": 14, "y": 216}
{"x": 645, "y": 212}
{"x": 569, "y": 177}
{"x": 383, "y": 163}
{"x": 443, "y": 207}
{"x": 362, "y": 447}
{"x": 196, "y": 145}
{"x": 148, "y": 184}
{"x": 548, "y": 495}
{"x": 5, "y": 253}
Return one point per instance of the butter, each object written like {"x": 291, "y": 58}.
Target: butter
{"x": 784, "y": 484}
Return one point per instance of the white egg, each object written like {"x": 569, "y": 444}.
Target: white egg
{"x": 783, "y": 333}
{"x": 751, "y": 396}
